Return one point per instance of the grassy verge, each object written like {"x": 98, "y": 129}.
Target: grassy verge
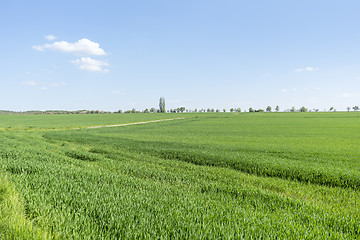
{"x": 13, "y": 222}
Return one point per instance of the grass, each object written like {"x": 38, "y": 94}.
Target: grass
{"x": 209, "y": 176}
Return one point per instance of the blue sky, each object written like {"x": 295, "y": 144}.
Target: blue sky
{"x": 112, "y": 55}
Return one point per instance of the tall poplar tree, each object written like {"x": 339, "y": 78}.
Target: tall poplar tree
{"x": 162, "y": 104}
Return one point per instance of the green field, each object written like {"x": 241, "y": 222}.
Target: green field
{"x": 207, "y": 176}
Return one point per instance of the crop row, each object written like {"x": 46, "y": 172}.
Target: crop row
{"x": 287, "y": 165}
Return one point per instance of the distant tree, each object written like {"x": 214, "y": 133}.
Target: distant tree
{"x": 332, "y": 108}
{"x": 224, "y": 110}
{"x": 152, "y": 110}
{"x": 348, "y": 109}
{"x": 195, "y": 110}
{"x": 146, "y": 110}
{"x": 251, "y": 110}
{"x": 268, "y": 109}
{"x": 356, "y": 108}
{"x": 133, "y": 110}
{"x": 277, "y": 108}
{"x": 208, "y": 110}
{"x": 162, "y": 105}
{"x": 212, "y": 110}
{"x": 217, "y": 110}
{"x": 231, "y": 110}
{"x": 303, "y": 109}
{"x": 238, "y": 110}
{"x": 292, "y": 109}
{"x": 182, "y": 109}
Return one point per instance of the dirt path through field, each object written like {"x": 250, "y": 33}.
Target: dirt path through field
{"x": 134, "y": 123}
{"x": 84, "y": 127}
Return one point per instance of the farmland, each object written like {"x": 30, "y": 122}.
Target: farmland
{"x": 207, "y": 176}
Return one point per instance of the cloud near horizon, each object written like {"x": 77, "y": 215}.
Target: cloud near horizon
{"x": 90, "y": 64}
{"x": 44, "y": 85}
{"x": 350, "y": 95}
{"x": 307, "y": 69}
{"x": 83, "y": 47}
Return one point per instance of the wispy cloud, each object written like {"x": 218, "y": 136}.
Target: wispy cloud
{"x": 31, "y": 83}
{"x": 284, "y": 90}
{"x": 90, "y": 64}
{"x": 50, "y": 37}
{"x": 83, "y": 47}
{"x": 44, "y": 85}
{"x": 58, "y": 84}
{"x": 307, "y": 69}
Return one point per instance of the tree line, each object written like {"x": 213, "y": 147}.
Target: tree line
{"x": 162, "y": 109}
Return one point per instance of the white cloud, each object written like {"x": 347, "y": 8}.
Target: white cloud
{"x": 44, "y": 88}
{"x": 50, "y": 37}
{"x": 31, "y": 83}
{"x": 89, "y": 64}
{"x": 283, "y": 90}
{"x": 38, "y": 48}
{"x": 307, "y": 69}
{"x": 83, "y": 47}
